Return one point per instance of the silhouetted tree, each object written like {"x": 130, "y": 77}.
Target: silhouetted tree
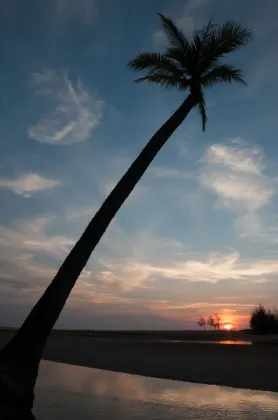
{"x": 273, "y": 321}
{"x": 217, "y": 320}
{"x": 211, "y": 321}
{"x": 187, "y": 65}
{"x": 202, "y": 322}
{"x": 264, "y": 321}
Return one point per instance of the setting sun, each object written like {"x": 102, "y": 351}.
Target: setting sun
{"x": 228, "y": 327}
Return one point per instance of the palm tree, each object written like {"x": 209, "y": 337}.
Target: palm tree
{"x": 187, "y": 65}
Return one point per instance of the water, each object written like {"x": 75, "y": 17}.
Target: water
{"x": 170, "y": 340}
{"x": 66, "y": 392}
{"x": 237, "y": 342}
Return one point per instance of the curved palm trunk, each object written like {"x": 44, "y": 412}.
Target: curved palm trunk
{"x": 20, "y": 359}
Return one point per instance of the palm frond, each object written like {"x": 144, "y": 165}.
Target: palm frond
{"x": 201, "y": 36}
{"x": 223, "y": 73}
{"x": 200, "y": 39}
{"x": 229, "y": 37}
{"x": 153, "y": 62}
{"x": 223, "y": 40}
{"x": 184, "y": 61}
{"x": 166, "y": 81}
{"x": 175, "y": 36}
{"x": 201, "y": 108}
{"x": 191, "y": 60}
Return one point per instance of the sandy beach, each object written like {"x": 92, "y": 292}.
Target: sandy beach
{"x": 242, "y": 366}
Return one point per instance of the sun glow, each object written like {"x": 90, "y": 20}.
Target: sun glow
{"x": 228, "y": 327}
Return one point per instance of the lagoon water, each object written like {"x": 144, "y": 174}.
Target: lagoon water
{"x": 67, "y": 392}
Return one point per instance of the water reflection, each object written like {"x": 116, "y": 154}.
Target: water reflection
{"x": 68, "y": 392}
{"x": 237, "y": 342}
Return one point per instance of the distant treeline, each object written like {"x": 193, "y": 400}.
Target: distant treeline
{"x": 264, "y": 321}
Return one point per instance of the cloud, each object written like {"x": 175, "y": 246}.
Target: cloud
{"x": 40, "y": 80}
{"x": 28, "y": 184}
{"x": 128, "y": 275}
{"x": 25, "y": 249}
{"x": 143, "y": 260}
{"x": 247, "y": 160}
{"x": 170, "y": 172}
{"x": 141, "y": 245}
{"x": 143, "y": 272}
{"x": 31, "y": 235}
{"x": 23, "y": 277}
{"x": 249, "y": 224}
{"x": 75, "y": 114}
{"x": 22, "y": 281}
{"x": 238, "y": 190}
{"x": 235, "y": 174}
{"x": 21, "y": 269}
{"x": 81, "y": 213}
{"x": 148, "y": 263}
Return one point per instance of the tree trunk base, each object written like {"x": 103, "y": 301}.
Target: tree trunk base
{"x": 11, "y": 413}
{"x": 16, "y": 392}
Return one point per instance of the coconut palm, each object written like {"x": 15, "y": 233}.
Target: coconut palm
{"x": 187, "y": 65}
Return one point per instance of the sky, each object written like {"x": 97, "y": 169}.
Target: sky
{"x": 199, "y": 234}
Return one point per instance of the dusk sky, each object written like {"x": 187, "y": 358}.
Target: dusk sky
{"x": 199, "y": 234}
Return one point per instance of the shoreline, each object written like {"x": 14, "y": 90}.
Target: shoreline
{"x": 239, "y": 366}
{"x": 204, "y": 336}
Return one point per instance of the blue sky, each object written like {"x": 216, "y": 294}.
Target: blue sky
{"x": 199, "y": 234}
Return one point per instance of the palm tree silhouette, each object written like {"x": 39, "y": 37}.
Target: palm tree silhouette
{"x": 187, "y": 65}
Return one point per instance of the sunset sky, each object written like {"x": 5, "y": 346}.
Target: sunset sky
{"x": 199, "y": 234}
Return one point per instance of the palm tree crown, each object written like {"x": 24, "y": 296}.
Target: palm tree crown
{"x": 194, "y": 63}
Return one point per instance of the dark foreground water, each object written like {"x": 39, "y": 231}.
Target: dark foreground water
{"x": 66, "y": 392}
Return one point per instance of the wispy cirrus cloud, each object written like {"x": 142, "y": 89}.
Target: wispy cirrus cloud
{"x": 145, "y": 260}
{"x": 235, "y": 174}
{"x": 75, "y": 111}
{"x": 28, "y": 184}
{"x": 81, "y": 213}
{"x": 249, "y": 224}
{"x": 211, "y": 269}
{"x": 142, "y": 269}
{"x": 170, "y": 172}
{"x": 22, "y": 270}
{"x": 126, "y": 275}
{"x": 237, "y": 158}
{"x": 32, "y": 235}
{"x": 25, "y": 250}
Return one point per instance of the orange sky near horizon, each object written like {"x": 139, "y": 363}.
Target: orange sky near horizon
{"x": 238, "y": 317}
